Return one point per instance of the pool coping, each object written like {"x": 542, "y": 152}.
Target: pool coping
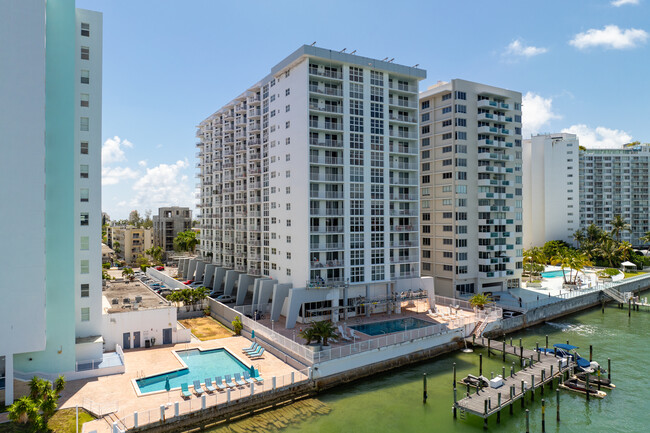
{"x": 138, "y": 393}
{"x": 391, "y": 320}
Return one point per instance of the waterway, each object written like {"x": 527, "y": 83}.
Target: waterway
{"x": 392, "y": 402}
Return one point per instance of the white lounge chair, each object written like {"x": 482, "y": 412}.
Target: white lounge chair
{"x": 342, "y": 333}
{"x": 353, "y": 334}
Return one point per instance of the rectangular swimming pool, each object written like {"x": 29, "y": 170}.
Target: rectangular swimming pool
{"x": 552, "y": 274}
{"x": 390, "y": 326}
{"x": 200, "y": 364}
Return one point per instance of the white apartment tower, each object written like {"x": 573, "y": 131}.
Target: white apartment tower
{"x": 551, "y": 188}
{"x": 616, "y": 182}
{"x": 50, "y": 115}
{"x": 471, "y": 187}
{"x": 310, "y": 178}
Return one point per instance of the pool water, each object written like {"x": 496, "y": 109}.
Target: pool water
{"x": 379, "y": 328}
{"x": 552, "y": 274}
{"x": 200, "y": 365}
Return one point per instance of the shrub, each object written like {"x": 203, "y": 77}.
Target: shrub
{"x": 607, "y": 273}
{"x": 237, "y": 326}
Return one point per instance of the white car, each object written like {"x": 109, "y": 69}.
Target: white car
{"x": 196, "y": 284}
{"x": 226, "y": 299}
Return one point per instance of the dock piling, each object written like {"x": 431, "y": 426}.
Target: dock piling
{"x": 557, "y": 398}
{"x": 455, "y": 403}
{"x": 503, "y": 372}
{"x": 511, "y": 341}
{"x": 488, "y": 347}
{"x": 547, "y": 342}
{"x": 532, "y": 387}
{"x": 543, "y": 416}
{"x": 591, "y": 353}
{"x": 521, "y": 355}
{"x": 504, "y": 348}
{"x": 629, "y": 308}
{"x": 499, "y": 412}
{"x": 587, "y": 386}
{"x": 454, "y": 368}
{"x": 527, "y": 421}
{"x": 609, "y": 369}
{"x": 512, "y": 396}
{"x": 480, "y": 364}
{"x": 551, "y": 382}
{"x": 543, "y": 377}
{"x": 424, "y": 389}
{"x": 523, "y": 394}
{"x": 598, "y": 379}
{"x": 485, "y": 415}
{"x": 512, "y": 370}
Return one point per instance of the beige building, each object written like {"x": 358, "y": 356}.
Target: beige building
{"x": 129, "y": 242}
{"x": 168, "y": 223}
{"x": 471, "y": 187}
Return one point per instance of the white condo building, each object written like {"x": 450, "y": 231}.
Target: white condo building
{"x": 471, "y": 187}
{"x": 309, "y": 183}
{"x": 551, "y": 170}
{"x": 50, "y": 115}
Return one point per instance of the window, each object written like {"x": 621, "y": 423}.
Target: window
{"x": 83, "y": 148}
{"x": 288, "y": 190}
{"x": 84, "y": 218}
{"x": 356, "y": 90}
{"x": 425, "y": 104}
{"x": 356, "y": 124}
{"x": 83, "y": 195}
{"x": 288, "y": 271}
{"x": 84, "y": 266}
{"x": 85, "y": 290}
{"x": 356, "y": 74}
{"x": 356, "y": 108}
{"x": 287, "y": 92}
{"x": 287, "y": 108}
{"x": 84, "y": 97}
{"x": 83, "y": 171}
{"x": 85, "y": 53}
{"x": 461, "y": 108}
{"x": 461, "y": 122}
{"x": 426, "y": 129}
{"x": 288, "y": 239}
{"x": 85, "y": 314}
{"x": 461, "y": 95}
{"x": 447, "y": 136}
{"x": 287, "y": 124}
{"x": 446, "y": 110}
{"x": 84, "y": 242}
{"x": 288, "y": 255}
{"x": 85, "y": 29}
{"x": 446, "y": 96}
{"x": 425, "y": 117}
{"x": 85, "y": 76}
{"x": 461, "y": 135}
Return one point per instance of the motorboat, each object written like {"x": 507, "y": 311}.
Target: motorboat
{"x": 576, "y": 385}
{"x": 569, "y": 351}
{"x": 475, "y": 381}
{"x": 595, "y": 380}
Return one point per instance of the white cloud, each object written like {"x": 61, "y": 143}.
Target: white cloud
{"x": 537, "y": 111}
{"x": 618, "y": 3}
{"x": 599, "y": 138}
{"x": 113, "y": 175}
{"x": 113, "y": 150}
{"x": 165, "y": 184}
{"x": 517, "y": 48}
{"x": 142, "y": 163}
{"x": 610, "y": 36}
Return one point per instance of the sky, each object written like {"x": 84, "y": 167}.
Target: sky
{"x": 581, "y": 67}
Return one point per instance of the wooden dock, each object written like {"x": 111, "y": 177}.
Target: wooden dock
{"x": 516, "y": 385}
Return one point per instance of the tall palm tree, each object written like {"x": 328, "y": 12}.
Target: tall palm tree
{"x": 579, "y": 237}
{"x": 577, "y": 262}
{"x": 645, "y": 238}
{"x": 619, "y": 225}
{"x": 562, "y": 258}
{"x": 127, "y": 273}
{"x": 609, "y": 251}
{"x": 625, "y": 250}
{"x": 156, "y": 253}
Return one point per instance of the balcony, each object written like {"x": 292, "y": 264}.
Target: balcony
{"x": 255, "y": 271}
{"x": 331, "y": 195}
{"x": 404, "y": 197}
{"x": 326, "y": 229}
{"x": 254, "y": 112}
{"x": 334, "y": 74}
{"x": 403, "y": 212}
{"x": 329, "y": 126}
{"x": 404, "y": 259}
{"x": 404, "y": 228}
{"x": 403, "y": 165}
{"x": 403, "y": 181}
{"x": 396, "y": 102}
{"x": 409, "y": 88}
{"x": 336, "y": 109}
{"x": 327, "y": 246}
{"x": 322, "y": 177}
{"x": 410, "y": 150}
{"x": 327, "y": 264}
{"x": 403, "y": 134}
{"x": 404, "y": 119}
{"x": 325, "y": 160}
{"x": 326, "y": 212}
{"x": 326, "y": 143}
{"x": 254, "y": 242}
{"x": 329, "y": 91}
{"x": 400, "y": 275}
{"x": 485, "y": 103}
{"x": 404, "y": 244}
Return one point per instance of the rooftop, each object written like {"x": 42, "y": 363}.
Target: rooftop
{"x": 138, "y": 295}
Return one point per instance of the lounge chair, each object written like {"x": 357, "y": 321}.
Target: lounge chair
{"x": 251, "y": 347}
{"x": 247, "y": 377}
{"x": 257, "y": 376}
{"x": 353, "y": 334}
{"x": 219, "y": 381}
{"x": 185, "y": 392}
{"x": 259, "y": 349}
{"x": 229, "y": 381}
{"x": 342, "y": 333}
{"x": 208, "y": 385}
{"x": 255, "y": 349}
{"x": 239, "y": 379}
{"x": 197, "y": 387}
{"x": 259, "y": 355}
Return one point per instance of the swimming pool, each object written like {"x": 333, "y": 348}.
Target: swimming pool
{"x": 379, "y": 328}
{"x": 552, "y": 274}
{"x": 200, "y": 364}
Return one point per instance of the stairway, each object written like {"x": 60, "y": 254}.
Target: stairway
{"x": 615, "y": 295}
{"x": 480, "y": 327}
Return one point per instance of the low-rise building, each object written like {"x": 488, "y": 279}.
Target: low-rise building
{"x": 168, "y": 223}
{"x": 129, "y": 242}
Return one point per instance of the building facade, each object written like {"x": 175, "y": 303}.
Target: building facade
{"x": 471, "y": 187}
{"x": 310, "y": 176}
{"x": 551, "y": 171}
{"x": 129, "y": 242}
{"x": 168, "y": 223}
{"x": 50, "y": 105}
{"x": 616, "y": 182}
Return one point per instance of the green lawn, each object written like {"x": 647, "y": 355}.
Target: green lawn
{"x": 61, "y": 422}
{"x": 632, "y": 274}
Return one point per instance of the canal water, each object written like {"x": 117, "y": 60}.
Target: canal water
{"x": 392, "y": 402}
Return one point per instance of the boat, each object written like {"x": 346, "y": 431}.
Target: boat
{"x": 569, "y": 351}
{"x": 575, "y": 385}
{"x": 475, "y": 381}
{"x": 594, "y": 380}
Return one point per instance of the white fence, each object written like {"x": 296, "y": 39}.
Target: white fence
{"x": 179, "y": 407}
{"x": 100, "y": 409}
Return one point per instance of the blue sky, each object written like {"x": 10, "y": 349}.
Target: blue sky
{"x": 581, "y": 65}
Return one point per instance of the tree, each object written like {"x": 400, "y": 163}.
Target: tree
{"x": 645, "y": 238}
{"x": 326, "y": 331}
{"x": 237, "y": 326}
{"x": 609, "y": 251}
{"x": 37, "y": 408}
{"x": 116, "y": 247}
{"x": 534, "y": 260}
{"x": 619, "y": 225}
{"x": 142, "y": 261}
{"x": 156, "y": 253}
{"x": 309, "y": 334}
{"x": 147, "y": 223}
{"x": 562, "y": 258}
{"x": 480, "y": 300}
{"x": 185, "y": 241}
{"x": 579, "y": 236}
{"x": 551, "y": 248}
{"x": 128, "y": 273}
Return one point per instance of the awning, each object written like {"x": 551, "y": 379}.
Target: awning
{"x": 628, "y": 264}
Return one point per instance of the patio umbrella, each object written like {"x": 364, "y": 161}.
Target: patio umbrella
{"x": 252, "y": 371}
{"x": 167, "y": 386}
{"x": 253, "y": 334}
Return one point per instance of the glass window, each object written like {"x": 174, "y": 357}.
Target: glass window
{"x": 83, "y": 171}
{"x": 84, "y": 148}
{"x": 85, "y": 290}
{"x": 84, "y": 266}
{"x": 85, "y": 53}
{"x": 83, "y": 194}
{"x": 85, "y": 29}
{"x": 84, "y": 243}
{"x": 84, "y": 124}
{"x": 85, "y": 76}
{"x": 85, "y": 314}
{"x": 84, "y": 97}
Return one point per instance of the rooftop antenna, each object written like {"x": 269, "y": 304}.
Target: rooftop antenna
{"x": 313, "y": 43}
{"x": 391, "y": 60}
{"x": 353, "y": 52}
{"x": 384, "y": 59}
{"x": 343, "y": 50}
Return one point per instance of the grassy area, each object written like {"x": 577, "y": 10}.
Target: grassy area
{"x": 61, "y": 422}
{"x": 206, "y": 328}
{"x": 632, "y": 274}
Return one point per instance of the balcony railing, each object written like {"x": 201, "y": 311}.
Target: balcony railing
{"x": 326, "y": 125}
{"x": 402, "y": 103}
{"x": 326, "y": 142}
{"x": 403, "y": 87}
{"x": 327, "y": 246}
{"x": 326, "y": 160}
{"x": 326, "y": 229}
{"x": 326, "y": 194}
{"x": 320, "y": 177}
{"x": 327, "y": 108}
{"x": 327, "y": 264}
{"x": 326, "y": 73}
{"x": 326, "y": 91}
{"x": 400, "y": 118}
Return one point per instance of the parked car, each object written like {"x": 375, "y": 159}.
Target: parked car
{"x": 196, "y": 284}
{"x": 226, "y": 299}
{"x": 160, "y": 268}
{"x": 188, "y": 282}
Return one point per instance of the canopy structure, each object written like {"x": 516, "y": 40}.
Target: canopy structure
{"x": 565, "y": 346}
{"x": 628, "y": 264}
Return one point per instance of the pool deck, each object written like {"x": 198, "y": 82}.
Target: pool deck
{"x": 119, "y": 389}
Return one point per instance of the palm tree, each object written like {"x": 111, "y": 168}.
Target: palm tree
{"x": 579, "y": 236}
{"x": 562, "y": 258}
{"x": 24, "y": 410}
{"x": 326, "y": 331}
{"x": 156, "y": 254}
{"x": 128, "y": 273}
{"x": 185, "y": 241}
{"x": 619, "y": 225}
{"x": 645, "y": 238}
{"x": 577, "y": 262}
{"x": 625, "y": 250}
{"x": 609, "y": 251}
{"x": 309, "y": 334}
{"x": 480, "y": 300}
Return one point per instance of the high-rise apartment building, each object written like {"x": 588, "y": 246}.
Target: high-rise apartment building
{"x": 551, "y": 183}
{"x": 471, "y": 187}
{"x": 168, "y": 223}
{"x": 50, "y": 115}
{"x": 616, "y": 182}
{"x": 310, "y": 177}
